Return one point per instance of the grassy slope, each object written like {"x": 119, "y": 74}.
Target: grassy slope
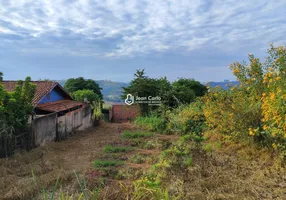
{"x": 218, "y": 169}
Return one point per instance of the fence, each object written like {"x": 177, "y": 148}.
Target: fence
{"x": 8, "y": 144}
{"x": 47, "y": 128}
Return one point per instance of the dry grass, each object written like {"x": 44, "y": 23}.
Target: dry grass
{"x": 233, "y": 171}
{"x": 60, "y": 158}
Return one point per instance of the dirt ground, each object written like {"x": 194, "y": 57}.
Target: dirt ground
{"x": 232, "y": 171}
{"x": 57, "y": 158}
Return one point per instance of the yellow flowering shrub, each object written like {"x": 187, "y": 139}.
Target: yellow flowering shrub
{"x": 257, "y": 107}
{"x": 274, "y": 96}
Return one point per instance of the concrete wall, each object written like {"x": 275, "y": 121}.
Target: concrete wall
{"x": 44, "y": 129}
{"x": 123, "y": 113}
{"x": 77, "y": 120}
{"x": 86, "y": 115}
{"x": 50, "y": 127}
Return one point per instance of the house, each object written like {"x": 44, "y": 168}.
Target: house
{"x": 121, "y": 112}
{"x": 56, "y": 114}
{"x": 50, "y": 97}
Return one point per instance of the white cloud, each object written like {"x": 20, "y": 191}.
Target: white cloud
{"x": 132, "y": 27}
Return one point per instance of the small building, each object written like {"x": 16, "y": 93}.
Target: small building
{"x": 56, "y": 114}
{"x": 120, "y": 112}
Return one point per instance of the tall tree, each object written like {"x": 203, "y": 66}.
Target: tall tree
{"x": 142, "y": 86}
{"x": 186, "y": 90}
{"x": 74, "y": 84}
{"x": 1, "y": 76}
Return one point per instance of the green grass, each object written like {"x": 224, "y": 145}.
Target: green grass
{"x": 137, "y": 134}
{"x": 151, "y": 123}
{"x": 107, "y": 163}
{"x": 189, "y": 161}
{"x": 112, "y": 149}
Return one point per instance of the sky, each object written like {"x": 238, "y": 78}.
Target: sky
{"x": 110, "y": 39}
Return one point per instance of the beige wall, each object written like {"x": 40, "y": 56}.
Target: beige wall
{"x": 50, "y": 127}
{"x": 44, "y": 129}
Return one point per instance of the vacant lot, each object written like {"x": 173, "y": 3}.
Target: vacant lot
{"x": 112, "y": 156}
{"x": 76, "y": 153}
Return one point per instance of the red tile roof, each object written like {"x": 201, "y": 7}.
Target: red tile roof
{"x": 58, "y": 106}
{"x": 42, "y": 88}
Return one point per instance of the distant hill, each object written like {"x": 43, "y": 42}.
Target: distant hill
{"x": 222, "y": 84}
{"x": 112, "y": 90}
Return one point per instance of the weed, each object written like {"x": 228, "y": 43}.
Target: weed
{"x": 189, "y": 161}
{"x": 107, "y": 163}
{"x": 149, "y": 145}
{"x": 151, "y": 123}
{"x": 137, "y": 134}
{"x": 138, "y": 159}
{"x": 113, "y": 149}
{"x": 208, "y": 147}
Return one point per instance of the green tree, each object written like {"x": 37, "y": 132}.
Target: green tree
{"x": 16, "y": 107}
{"x": 181, "y": 91}
{"x": 80, "y": 95}
{"x": 74, "y": 84}
{"x": 93, "y": 99}
{"x": 1, "y": 76}
{"x": 186, "y": 90}
{"x": 142, "y": 86}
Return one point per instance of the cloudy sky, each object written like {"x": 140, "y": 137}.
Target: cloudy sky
{"x": 110, "y": 39}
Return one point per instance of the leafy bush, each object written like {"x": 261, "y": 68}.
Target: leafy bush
{"x": 151, "y": 123}
{"x": 16, "y": 108}
{"x": 187, "y": 119}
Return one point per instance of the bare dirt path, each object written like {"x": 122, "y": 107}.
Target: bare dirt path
{"x": 76, "y": 153}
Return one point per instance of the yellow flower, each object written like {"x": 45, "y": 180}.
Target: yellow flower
{"x": 251, "y": 132}
{"x": 236, "y": 70}
{"x": 274, "y": 146}
{"x": 278, "y": 78}
{"x": 272, "y": 96}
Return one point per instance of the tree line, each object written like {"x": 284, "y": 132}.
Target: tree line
{"x": 181, "y": 91}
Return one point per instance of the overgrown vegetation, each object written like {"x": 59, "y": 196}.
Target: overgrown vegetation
{"x": 16, "y": 107}
{"x": 151, "y": 123}
{"x": 253, "y": 111}
{"x": 15, "y": 111}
